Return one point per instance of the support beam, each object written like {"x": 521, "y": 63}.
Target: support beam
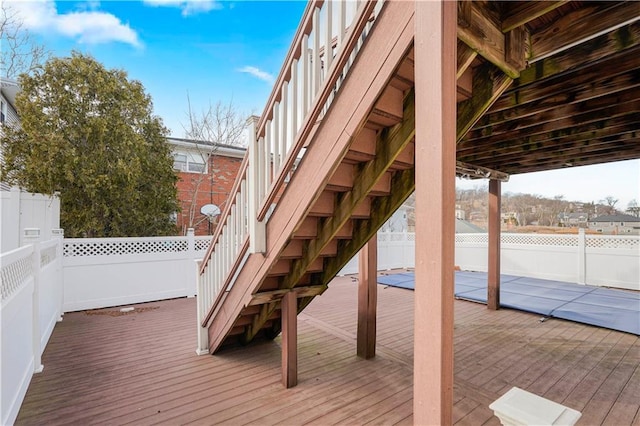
{"x": 289, "y": 340}
{"x": 493, "y": 276}
{"x": 478, "y": 31}
{"x": 367, "y": 299}
{"x": 488, "y": 85}
{"x": 522, "y": 12}
{"x": 580, "y": 26}
{"x": 435, "y": 86}
{"x": 382, "y": 208}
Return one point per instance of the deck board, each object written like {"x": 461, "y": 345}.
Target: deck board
{"x": 141, "y": 368}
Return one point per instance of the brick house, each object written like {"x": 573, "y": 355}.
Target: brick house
{"x": 206, "y": 173}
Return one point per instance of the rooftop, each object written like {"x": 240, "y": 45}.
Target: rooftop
{"x": 616, "y": 218}
{"x": 108, "y": 367}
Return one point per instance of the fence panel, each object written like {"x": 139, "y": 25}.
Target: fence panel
{"x": 102, "y": 272}
{"x": 20, "y": 210}
{"x": 31, "y": 302}
{"x": 602, "y": 260}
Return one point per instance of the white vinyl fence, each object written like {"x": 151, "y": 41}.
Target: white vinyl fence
{"x": 102, "y": 272}
{"x": 395, "y": 250}
{"x": 602, "y": 260}
{"x": 20, "y": 210}
{"x": 31, "y": 304}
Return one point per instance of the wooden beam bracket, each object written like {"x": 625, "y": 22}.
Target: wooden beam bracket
{"x": 469, "y": 171}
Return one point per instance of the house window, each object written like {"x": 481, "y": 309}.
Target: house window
{"x": 196, "y": 165}
{"x": 193, "y": 163}
{"x": 3, "y": 112}
{"x": 180, "y": 162}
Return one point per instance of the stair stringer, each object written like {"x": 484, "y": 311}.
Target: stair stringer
{"x": 386, "y": 46}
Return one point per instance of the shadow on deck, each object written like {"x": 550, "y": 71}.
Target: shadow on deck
{"x": 108, "y": 367}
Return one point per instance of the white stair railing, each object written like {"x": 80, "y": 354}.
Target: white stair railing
{"x": 326, "y": 43}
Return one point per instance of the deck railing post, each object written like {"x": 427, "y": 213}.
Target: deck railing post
{"x": 59, "y": 234}
{"x": 32, "y": 236}
{"x": 191, "y": 255}
{"x": 201, "y": 301}
{"x": 582, "y": 245}
{"x": 257, "y": 236}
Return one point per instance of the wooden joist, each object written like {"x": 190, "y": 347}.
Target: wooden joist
{"x": 572, "y": 125}
{"x": 581, "y": 25}
{"x": 487, "y": 87}
{"x": 274, "y": 295}
{"x": 521, "y": 13}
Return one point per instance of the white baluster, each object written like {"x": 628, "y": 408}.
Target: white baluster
{"x": 232, "y": 234}
{"x": 276, "y": 139}
{"x": 239, "y": 219}
{"x": 260, "y": 172}
{"x": 304, "y": 57}
{"x": 283, "y": 122}
{"x": 268, "y": 142}
{"x": 294, "y": 100}
{"x": 243, "y": 210}
{"x": 342, "y": 22}
{"x": 328, "y": 47}
{"x": 317, "y": 65}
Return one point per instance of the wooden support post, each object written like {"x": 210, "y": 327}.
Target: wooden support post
{"x": 367, "y": 299}
{"x": 289, "y": 339}
{"x": 493, "y": 276}
{"x": 435, "y": 163}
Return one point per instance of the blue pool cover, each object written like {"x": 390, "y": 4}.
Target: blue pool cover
{"x": 603, "y": 307}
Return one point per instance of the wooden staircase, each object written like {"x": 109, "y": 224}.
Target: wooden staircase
{"x": 329, "y": 162}
{"x": 357, "y": 169}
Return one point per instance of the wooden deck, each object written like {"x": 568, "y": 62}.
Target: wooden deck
{"x": 103, "y": 367}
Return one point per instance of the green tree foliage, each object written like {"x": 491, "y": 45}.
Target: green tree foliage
{"x": 90, "y": 134}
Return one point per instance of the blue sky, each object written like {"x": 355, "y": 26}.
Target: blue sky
{"x": 209, "y": 50}
{"x": 232, "y": 51}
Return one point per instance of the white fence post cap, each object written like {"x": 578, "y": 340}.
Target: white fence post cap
{"x": 519, "y": 407}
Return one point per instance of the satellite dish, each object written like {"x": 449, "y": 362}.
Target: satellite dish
{"x": 210, "y": 210}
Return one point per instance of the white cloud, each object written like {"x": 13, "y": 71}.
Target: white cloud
{"x": 87, "y": 26}
{"x": 258, "y": 73}
{"x": 188, "y": 7}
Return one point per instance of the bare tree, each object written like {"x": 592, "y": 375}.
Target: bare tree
{"x": 555, "y": 207}
{"x": 611, "y": 204}
{"x": 633, "y": 208}
{"x": 20, "y": 52}
{"x": 219, "y": 125}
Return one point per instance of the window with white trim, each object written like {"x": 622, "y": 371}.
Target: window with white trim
{"x": 3, "y": 111}
{"x": 189, "y": 162}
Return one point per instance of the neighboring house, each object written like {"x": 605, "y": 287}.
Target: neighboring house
{"x": 622, "y": 224}
{"x": 8, "y": 114}
{"x": 510, "y": 218}
{"x": 576, "y": 219}
{"x": 466, "y": 227}
{"x": 398, "y": 222}
{"x": 8, "y": 91}
{"x": 206, "y": 174}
